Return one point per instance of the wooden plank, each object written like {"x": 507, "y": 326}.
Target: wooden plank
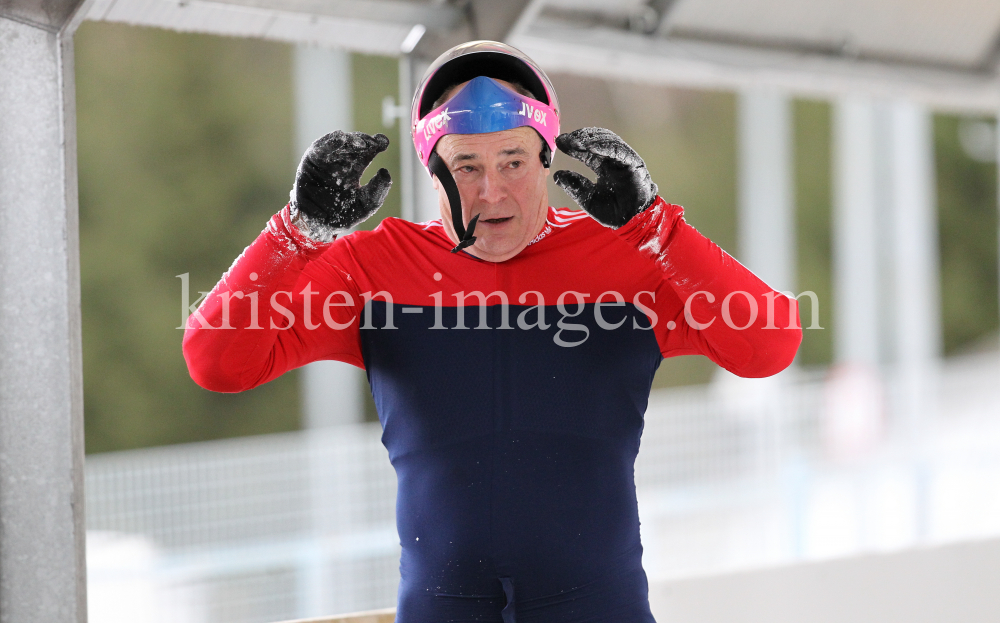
{"x": 387, "y": 615}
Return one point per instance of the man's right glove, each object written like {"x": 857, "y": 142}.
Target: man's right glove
{"x": 623, "y": 188}
{"x": 328, "y": 195}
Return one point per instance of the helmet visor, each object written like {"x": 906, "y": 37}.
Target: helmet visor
{"x": 481, "y": 106}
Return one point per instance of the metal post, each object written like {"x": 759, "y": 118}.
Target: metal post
{"x": 407, "y": 157}
{"x": 916, "y": 300}
{"x": 420, "y": 199}
{"x": 766, "y": 222}
{"x": 855, "y": 237}
{"x": 915, "y": 245}
{"x": 853, "y": 412}
{"x": 42, "y": 557}
{"x": 332, "y": 391}
{"x": 766, "y": 209}
{"x": 324, "y": 95}
{"x": 332, "y": 394}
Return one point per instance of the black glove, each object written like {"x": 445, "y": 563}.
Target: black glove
{"x": 623, "y": 188}
{"x": 328, "y": 191}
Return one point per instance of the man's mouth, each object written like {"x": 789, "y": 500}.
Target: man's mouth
{"x": 496, "y": 221}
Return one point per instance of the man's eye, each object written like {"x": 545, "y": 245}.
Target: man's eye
{"x": 467, "y": 168}
{"x": 515, "y": 164}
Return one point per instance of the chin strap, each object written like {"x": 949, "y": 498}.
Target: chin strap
{"x": 465, "y": 237}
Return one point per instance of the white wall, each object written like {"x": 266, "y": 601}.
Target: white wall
{"x": 950, "y": 584}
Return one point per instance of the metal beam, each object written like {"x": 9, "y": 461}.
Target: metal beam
{"x": 607, "y": 53}
{"x": 42, "y": 556}
{"x": 484, "y": 19}
{"x": 372, "y": 26}
{"x": 431, "y": 16}
{"x": 494, "y": 20}
{"x": 665, "y": 9}
{"x": 527, "y": 17}
{"x": 48, "y": 15}
{"x": 328, "y": 29}
{"x": 380, "y": 26}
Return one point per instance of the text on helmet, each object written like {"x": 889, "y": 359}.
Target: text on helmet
{"x": 532, "y": 113}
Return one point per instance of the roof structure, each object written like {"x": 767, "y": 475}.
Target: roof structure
{"x": 945, "y": 53}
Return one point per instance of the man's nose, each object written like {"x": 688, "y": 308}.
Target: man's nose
{"x": 492, "y": 188}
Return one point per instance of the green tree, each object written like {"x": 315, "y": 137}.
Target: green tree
{"x": 967, "y": 217}
{"x": 184, "y": 153}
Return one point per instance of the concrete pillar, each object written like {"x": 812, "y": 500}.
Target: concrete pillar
{"x": 916, "y": 314}
{"x": 420, "y": 200}
{"x": 766, "y": 232}
{"x": 42, "y": 558}
{"x": 766, "y": 207}
{"x": 407, "y": 155}
{"x": 887, "y": 316}
{"x": 331, "y": 390}
{"x": 324, "y": 96}
{"x": 853, "y": 409}
{"x": 855, "y": 232}
{"x": 885, "y": 234}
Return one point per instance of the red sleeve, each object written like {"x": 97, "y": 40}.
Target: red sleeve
{"x": 721, "y": 309}
{"x": 254, "y": 326}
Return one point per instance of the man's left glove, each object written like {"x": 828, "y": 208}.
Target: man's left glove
{"x": 623, "y": 188}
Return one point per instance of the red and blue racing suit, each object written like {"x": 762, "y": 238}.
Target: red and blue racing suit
{"x": 511, "y": 394}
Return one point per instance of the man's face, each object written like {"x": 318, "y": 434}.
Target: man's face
{"x": 500, "y": 177}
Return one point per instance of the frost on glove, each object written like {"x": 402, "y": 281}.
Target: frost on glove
{"x": 328, "y": 198}
{"x": 623, "y": 188}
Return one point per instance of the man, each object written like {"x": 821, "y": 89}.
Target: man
{"x": 510, "y": 346}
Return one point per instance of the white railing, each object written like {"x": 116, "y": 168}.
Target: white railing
{"x": 737, "y": 474}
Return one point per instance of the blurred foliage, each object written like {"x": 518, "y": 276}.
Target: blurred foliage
{"x": 376, "y": 77}
{"x": 812, "y": 222}
{"x": 967, "y": 209}
{"x": 185, "y": 150}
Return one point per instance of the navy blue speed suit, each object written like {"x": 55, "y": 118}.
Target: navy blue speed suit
{"x": 511, "y": 394}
